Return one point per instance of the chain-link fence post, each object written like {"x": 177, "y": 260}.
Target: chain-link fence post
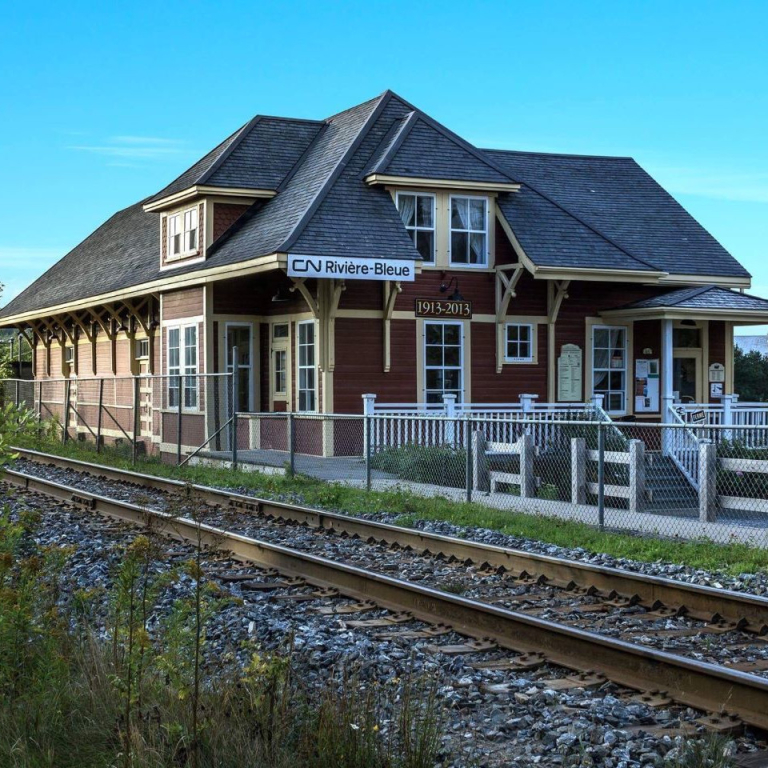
{"x": 136, "y": 417}
{"x": 600, "y": 476}
{"x": 39, "y": 411}
{"x": 234, "y": 441}
{"x": 469, "y": 464}
{"x": 99, "y": 419}
{"x": 235, "y": 400}
{"x": 367, "y": 430}
{"x": 291, "y": 445}
{"x": 65, "y": 434}
{"x": 178, "y": 419}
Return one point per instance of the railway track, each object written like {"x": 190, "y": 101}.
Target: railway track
{"x": 531, "y": 579}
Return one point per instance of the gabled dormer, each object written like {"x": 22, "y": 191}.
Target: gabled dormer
{"x": 247, "y": 167}
{"x": 444, "y": 189}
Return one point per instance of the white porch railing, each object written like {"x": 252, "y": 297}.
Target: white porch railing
{"x": 682, "y": 446}
{"x": 399, "y": 424}
{"x": 730, "y": 413}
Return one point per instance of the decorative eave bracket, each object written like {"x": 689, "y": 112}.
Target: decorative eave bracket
{"x": 391, "y": 291}
{"x": 507, "y": 278}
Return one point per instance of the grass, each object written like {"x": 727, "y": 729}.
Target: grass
{"x": 76, "y": 694}
{"x": 734, "y": 558}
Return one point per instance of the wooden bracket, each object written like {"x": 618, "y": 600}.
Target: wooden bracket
{"x": 391, "y": 291}
{"x": 299, "y": 284}
{"x": 505, "y": 291}
{"x": 557, "y": 290}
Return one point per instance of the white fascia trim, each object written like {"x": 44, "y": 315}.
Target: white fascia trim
{"x": 727, "y": 282}
{"x": 167, "y": 282}
{"x": 198, "y": 190}
{"x": 752, "y": 317}
{"x": 407, "y": 181}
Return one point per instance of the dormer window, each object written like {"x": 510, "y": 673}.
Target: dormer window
{"x": 418, "y": 215}
{"x": 190, "y": 230}
{"x": 469, "y": 231}
{"x": 182, "y": 233}
{"x": 174, "y": 235}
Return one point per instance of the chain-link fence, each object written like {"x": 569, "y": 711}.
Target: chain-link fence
{"x": 173, "y": 416}
{"x": 676, "y": 480}
{"x": 684, "y": 479}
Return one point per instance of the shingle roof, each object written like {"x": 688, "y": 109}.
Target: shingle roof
{"x": 418, "y": 147}
{"x": 603, "y": 213}
{"x": 707, "y": 297}
{"x": 109, "y": 259}
{"x": 257, "y": 156}
{"x": 618, "y": 199}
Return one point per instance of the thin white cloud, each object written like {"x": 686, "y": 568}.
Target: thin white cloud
{"x": 21, "y": 266}
{"x": 748, "y": 187}
{"x": 135, "y": 147}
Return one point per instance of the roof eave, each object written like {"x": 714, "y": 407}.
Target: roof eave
{"x": 200, "y": 190}
{"x": 742, "y": 317}
{"x": 168, "y": 281}
{"x": 543, "y": 272}
{"x": 724, "y": 280}
{"x": 374, "y": 179}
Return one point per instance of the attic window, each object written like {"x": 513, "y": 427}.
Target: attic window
{"x": 182, "y": 233}
{"x": 418, "y": 215}
{"x": 469, "y": 231}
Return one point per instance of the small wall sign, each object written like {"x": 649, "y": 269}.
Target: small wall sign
{"x": 715, "y": 388}
{"x": 443, "y": 308}
{"x": 717, "y": 372}
{"x": 569, "y": 366}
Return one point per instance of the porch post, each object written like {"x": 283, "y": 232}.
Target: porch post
{"x": 667, "y": 393}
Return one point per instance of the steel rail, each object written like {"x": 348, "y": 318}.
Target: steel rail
{"x": 693, "y": 683}
{"x": 749, "y": 612}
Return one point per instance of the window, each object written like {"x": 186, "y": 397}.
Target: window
{"x": 609, "y": 366}
{"x": 182, "y": 362}
{"x": 190, "y": 230}
{"x": 280, "y": 382}
{"x": 174, "y": 235}
{"x": 418, "y": 215}
{"x": 519, "y": 343}
{"x": 69, "y": 354}
{"x": 280, "y": 331}
{"x": 142, "y": 349}
{"x": 182, "y": 233}
{"x": 306, "y": 366}
{"x": 443, "y": 361}
{"x": 469, "y": 231}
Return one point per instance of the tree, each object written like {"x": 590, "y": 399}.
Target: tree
{"x": 750, "y": 371}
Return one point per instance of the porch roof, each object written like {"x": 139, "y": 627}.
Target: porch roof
{"x": 710, "y": 301}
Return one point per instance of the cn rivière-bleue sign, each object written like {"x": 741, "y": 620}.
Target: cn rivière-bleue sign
{"x": 350, "y": 268}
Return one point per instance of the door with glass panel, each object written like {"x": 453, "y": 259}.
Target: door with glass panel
{"x": 239, "y": 338}
{"x": 686, "y": 376}
{"x": 609, "y": 366}
{"x": 443, "y": 361}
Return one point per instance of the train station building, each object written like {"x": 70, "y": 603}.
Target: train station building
{"x": 377, "y": 252}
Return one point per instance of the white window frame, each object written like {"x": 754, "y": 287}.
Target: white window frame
{"x": 610, "y": 369}
{"x": 280, "y": 392}
{"x": 300, "y": 368}
{"x": 531, "y": 358}
{"x": 139, "y": 351}
{"x": 185, "y": 368}
{"x": 469, "y": 232}
{"x": 189, "y": 215}
{"x": 416, "y": 228}
{"x": 182, "y": 232}
{"x": 69, "y": 354}
{"x": 426, "y": 367}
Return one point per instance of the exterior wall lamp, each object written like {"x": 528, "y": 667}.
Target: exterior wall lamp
{"x": 456, "y": 295}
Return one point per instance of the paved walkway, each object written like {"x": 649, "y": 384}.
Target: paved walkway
{"x": 745, "y": 527}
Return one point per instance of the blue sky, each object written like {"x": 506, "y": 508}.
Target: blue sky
{"x": 103, "y": 104}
